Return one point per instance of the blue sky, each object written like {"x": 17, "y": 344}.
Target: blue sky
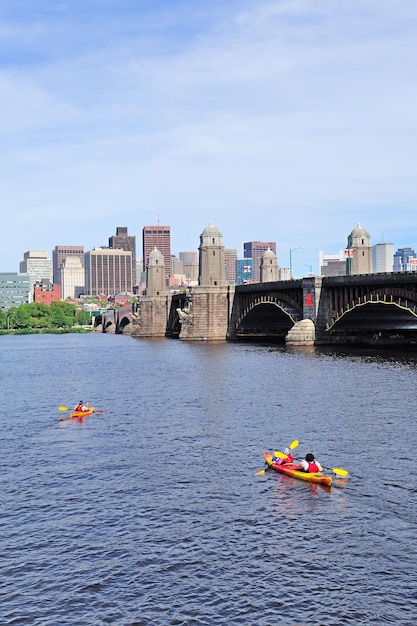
{"x": 277, "y": 120}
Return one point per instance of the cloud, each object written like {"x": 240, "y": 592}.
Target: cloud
{"x": 269, "y": 118}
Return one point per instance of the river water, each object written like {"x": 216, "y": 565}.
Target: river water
{"x": 150, "y": 513}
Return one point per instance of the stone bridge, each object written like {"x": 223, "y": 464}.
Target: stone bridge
{"x": 362, "y": 309}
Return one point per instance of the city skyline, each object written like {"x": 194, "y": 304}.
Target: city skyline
{"x": 275, "y": 120}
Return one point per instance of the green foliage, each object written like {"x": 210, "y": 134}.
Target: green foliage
{"x": 37, "y": 317}
{"x": 82, "y": 317}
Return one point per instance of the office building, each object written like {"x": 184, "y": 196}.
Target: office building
{"x": 190, "y": 266}
{"x": 14, "y": 289}
{"x": 108, "y": 272}
{"x": 230, "y": 259}
{"x": 38, "y": 266}
{"x": 402, "y": 259}
{"x": 122, "y": 241}
{"x": 158, "y": 237}
{"x": 358, "y": 252}
{"x": 243, "y": 271}
{"x": 72, "y": 277}
{"x": 383, "y": 257}
{"x": 46, "y": 292}
{"x": 332, "y": 264}
{"x": 254, "y": 250}
{"x": 59, "y": 253}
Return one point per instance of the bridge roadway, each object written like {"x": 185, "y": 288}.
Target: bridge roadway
{"x": 362, "y": 309}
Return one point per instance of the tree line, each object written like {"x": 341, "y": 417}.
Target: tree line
{"x": 37, "y": 315}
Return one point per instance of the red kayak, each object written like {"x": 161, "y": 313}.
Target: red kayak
{"x": 289, "y": 470}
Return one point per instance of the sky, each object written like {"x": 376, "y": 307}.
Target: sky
{"x": 277, "y": 120}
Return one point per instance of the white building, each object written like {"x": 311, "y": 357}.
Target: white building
{"x": 383, "y": 257}
{"x": 72, "y": 277}
{"x": 38, "y": 266}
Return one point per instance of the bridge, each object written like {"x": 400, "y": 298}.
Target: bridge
{"x": 362, "y": 309}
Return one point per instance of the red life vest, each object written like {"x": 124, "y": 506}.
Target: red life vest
{"x": 312, "y": 467}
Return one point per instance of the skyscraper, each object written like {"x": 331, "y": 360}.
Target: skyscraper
{"x": 230, "y": 259}
{"x": 38, "y": 266}
{"x": 108, "y": 272}
{"x": 122, "y": 241}
{"x": 254, "y": 250}
{"x": 383, "y": 257}
{"x": 59, "y": 253}
{"x": 158, "y": 237}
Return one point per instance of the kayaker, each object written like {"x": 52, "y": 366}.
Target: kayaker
{"x": 310, "y": 464}
{"x": 288, "y": 460}
{"x": 79, "y": 406}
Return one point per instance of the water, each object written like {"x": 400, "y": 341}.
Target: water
{"x": 150, "y": 513}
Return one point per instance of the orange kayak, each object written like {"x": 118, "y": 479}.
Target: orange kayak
{"x": 83, "y": 413}
{"x": 289, "y": 470}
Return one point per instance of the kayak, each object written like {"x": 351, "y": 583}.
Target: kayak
{"x": 89, "y": 411}
{"x": 317, "y": 477}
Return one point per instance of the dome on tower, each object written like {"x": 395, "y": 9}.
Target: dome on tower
{"x": 269, "y": 254}
{"x": 211, "y": 231}
{"x": 359, "y": 232}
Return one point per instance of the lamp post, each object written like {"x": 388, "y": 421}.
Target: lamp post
{"x": 310, "y": 267}
{"x": 291, "y": 251}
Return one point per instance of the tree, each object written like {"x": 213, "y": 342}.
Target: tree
{"x": 19, "y": 317}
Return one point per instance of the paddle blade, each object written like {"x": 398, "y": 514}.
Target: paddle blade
{"x": 260, "y": 473}
{"x": 294, "y": 444}
{"x": 339, "y": 471}
{"x": 280, "y": 455}
{"x": 63, "y": 408}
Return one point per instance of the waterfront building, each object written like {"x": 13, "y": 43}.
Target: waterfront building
{"x": 14, "y": 289}
{"x": 46, "y": 292}
{"x": 122, "y": 241}
{"x": 244, "y": 271}
{"x": 38, "y": 266}
{"x": 358, "y": 252}
{"x": 158, "y": 237}
{"x": 269, "y": 267}
{"x": 211, "y": 258}
{"x": 332, "y": 264}
{"x": 230, "y": 259}
{"x": 254, "y": 250}
{"x": 155, "y": 276}
{"x": 59, "y": 253}
{"x": 72, "y": 277}
{"x": 383, "y": 257}
{"x": 402, "y": 259}
{"x": 108, "y": 272}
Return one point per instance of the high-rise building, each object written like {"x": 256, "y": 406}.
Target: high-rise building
{"x": 59, "y": 253}
{"x": 108, "y": 272}
{"x": 14, "y": 289}
{"x": 402, "y": 259}
{"x": 122, "y": 241}
{"x": 358, "y": 252}
{"x": 243, "y": 271}
{"x": 230, "y": 259}
{"x": 332, "y": 264}
{"x": 190, "y": 266}
{"x": 38, "y": 266}
{"x": 254, "y": 250}
{"x": 72, "y": 277}
{"x": 158, "y": 237}
{"x": 383, "y": 257}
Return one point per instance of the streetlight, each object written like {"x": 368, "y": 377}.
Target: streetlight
{"x": 291, "y": 251}
{"x": 310, "y": 268}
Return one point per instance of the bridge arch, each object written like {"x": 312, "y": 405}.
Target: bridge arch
{"x": 266, "y": 316}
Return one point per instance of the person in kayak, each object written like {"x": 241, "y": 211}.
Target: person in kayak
{"x": 310, "y": 464}
{"x": 288, "y": 460}
{"x": 81, "y": 406}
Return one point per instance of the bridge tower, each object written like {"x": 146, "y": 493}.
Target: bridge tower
{"x": 359, "y": 252}
{"x": 269, "y": 267}
{"x": 212, "y": 271}
{"x": 155, "y": 275}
